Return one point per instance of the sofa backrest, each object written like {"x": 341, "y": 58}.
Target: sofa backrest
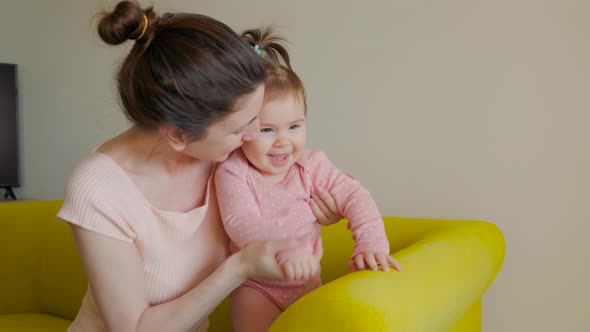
{"x": 40, "y": 268}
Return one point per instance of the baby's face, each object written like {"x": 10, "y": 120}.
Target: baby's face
{"x": 282, "y": 136}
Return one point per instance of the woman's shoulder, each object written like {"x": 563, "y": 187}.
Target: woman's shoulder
{"x": 96, "y": 176}
{"x": 96, "y": 198}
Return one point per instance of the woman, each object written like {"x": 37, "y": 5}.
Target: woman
{"x": 141, "y": 206}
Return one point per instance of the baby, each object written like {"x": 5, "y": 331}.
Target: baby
{"x": 265, "y": 192}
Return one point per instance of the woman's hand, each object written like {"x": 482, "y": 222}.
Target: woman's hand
{"x": 259, "y": 260}
{"x": 371, "y": 261}
{"x": 301, "y": 267}
{"x": 302, "y": 262}
{"x": 324, "y": 208}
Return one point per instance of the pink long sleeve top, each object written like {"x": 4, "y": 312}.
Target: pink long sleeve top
{"x": 252, "y": 209}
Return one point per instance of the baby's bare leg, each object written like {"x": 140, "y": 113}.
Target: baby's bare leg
{"x": 251, "y": 310}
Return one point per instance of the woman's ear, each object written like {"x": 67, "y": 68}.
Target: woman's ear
{"x": 174, "y": 136}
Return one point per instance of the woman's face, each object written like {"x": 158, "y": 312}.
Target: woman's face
{"x": 232, "y": 131}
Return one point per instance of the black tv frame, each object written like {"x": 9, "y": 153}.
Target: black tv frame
{"x": 9, "y": 193}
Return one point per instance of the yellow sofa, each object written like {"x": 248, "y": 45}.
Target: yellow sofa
{"x": 448, "y": 265}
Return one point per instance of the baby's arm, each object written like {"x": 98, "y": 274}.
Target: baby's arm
{"x": 241, "y": 217}
{"x": 239, "y": 210}
{"x": 356, "y": 204}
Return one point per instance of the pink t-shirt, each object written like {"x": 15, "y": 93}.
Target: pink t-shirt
{"x": 253, "y": 209}
{"x": 178, "y": 250}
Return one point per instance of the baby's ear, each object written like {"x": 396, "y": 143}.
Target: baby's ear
{"x": 174, "y": 136}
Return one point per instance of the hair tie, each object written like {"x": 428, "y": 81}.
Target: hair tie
{"x": 145, "y": 25}
{"x": 257, "y": 50}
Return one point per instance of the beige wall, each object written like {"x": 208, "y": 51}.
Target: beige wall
{"x": 447, "y": 109}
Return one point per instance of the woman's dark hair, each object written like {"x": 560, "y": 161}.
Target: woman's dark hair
{"x": 280, "y": 79}
{"x": 184, "y": 70}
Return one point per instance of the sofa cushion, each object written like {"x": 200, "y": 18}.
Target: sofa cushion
{"x": 32, "y": 323}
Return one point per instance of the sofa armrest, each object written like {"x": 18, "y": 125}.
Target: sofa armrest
{"x": 444, "y": 273}
{"x": 19, "y": 258}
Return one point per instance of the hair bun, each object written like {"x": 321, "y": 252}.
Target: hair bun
{"x": 124, "y": 22}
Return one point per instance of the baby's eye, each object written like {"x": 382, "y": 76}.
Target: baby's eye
{"x": 295, "y": 126}
{"x": 266, "y": 130}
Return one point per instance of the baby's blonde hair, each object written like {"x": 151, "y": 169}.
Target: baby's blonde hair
{"x": 280, "y": 79}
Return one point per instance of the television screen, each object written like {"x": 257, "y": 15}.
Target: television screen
{"x": 9, "y": 157}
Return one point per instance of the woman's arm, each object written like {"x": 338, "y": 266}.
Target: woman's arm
{"x": 116, "y": 278}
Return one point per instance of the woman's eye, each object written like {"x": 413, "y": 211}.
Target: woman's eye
{"x": 266, "y": 130}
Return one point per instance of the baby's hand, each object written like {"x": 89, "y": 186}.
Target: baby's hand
{"x": 371, "y": 261}
{"x": 301, "y": 267}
